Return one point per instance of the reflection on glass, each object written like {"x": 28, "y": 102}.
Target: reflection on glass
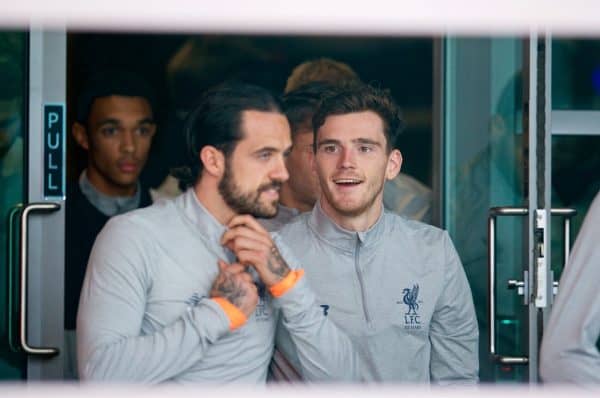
{"x": 12, "y": 47}
{"x": 484, "y": 163}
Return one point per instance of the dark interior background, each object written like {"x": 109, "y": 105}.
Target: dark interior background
{"x": 180, "y": 67}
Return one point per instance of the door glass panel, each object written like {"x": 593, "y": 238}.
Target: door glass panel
{"x": 575, "y": 182}
{"x": 576, "y": 74}
{"x": 483, "y": 169}
{"x": 13, "y": 95}
{"x": 575, "y": 158}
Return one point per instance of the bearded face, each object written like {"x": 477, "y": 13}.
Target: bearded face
{"x": 259, "y": 202}
{"x": 255, "y": 170}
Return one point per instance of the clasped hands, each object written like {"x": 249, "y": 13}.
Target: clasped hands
{"x": 253, "y": 247}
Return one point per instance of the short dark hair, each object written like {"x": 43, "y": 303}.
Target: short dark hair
{"x": 217, "y": 119}
{"x": 359, "y": 98}
{"x": 106, "y": 83}
{"x": 300, "y": 104}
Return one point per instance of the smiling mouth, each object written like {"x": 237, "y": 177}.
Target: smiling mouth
{"x": 347, "y": 181}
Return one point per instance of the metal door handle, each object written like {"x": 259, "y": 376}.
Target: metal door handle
{"x": 514, "y": 211}
{"x": 567, "y": 214}
{"x": 493, "y": 213}
{"x": 28, "y": 209}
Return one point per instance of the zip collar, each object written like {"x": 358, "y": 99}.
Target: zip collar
{"x": 340, "y": 237}
{"x": 204, "y": 223}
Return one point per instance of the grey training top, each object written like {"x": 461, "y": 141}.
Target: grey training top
{"x": 569, "y": 351}
{"x": 144, "y": 315}
{"x": 398, "y": 289}
{"x": 284, "y": 216}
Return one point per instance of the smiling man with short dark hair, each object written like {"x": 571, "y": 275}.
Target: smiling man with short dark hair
{"x": 396, "y": 286}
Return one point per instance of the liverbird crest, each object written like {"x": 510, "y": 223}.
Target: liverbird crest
{"x": 410, "y": 299}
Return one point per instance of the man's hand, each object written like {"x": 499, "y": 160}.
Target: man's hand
{"x": 253, "y": 246}
{"x": 236, "y": 285}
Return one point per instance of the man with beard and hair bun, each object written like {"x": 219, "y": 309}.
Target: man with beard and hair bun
{"x": 168, "y": 296}
{"x": 396, "y": 286}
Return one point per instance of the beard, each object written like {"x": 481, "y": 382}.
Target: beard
{"x": 247, "y": 202}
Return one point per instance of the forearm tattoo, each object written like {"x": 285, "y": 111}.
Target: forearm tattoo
{"x": 225, "y": 286}
{"x": 277, "y": 264}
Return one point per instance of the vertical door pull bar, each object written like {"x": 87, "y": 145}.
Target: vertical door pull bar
{"x": 493, "y": 213}
{"x": 567, "y": 214}
{"x": 27, "y": 210}
{"x": 521, "y": 286}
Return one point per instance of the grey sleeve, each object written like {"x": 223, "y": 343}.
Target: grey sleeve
{"x": 324, "y": 352}
{"x": 111, "y": 345}
{"x": 454, "y": 333}
{"x": 569, "y": 353}
{"x": 285, "y": 363}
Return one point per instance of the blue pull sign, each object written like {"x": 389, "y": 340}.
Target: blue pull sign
{"x": 54, "y": 151}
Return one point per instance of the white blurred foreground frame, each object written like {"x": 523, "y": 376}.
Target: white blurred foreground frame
{"x": 290, "y": 391}
{"x": 372, "y": 17}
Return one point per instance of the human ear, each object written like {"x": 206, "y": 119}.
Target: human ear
{"x": 394, "y": 164}
{"x": 80, "y": 134}
{"x": 213, "y": 161}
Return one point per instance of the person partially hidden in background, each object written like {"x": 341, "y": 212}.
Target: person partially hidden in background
{"x": 300, "y": 192}
{"x": 115, "y": 127}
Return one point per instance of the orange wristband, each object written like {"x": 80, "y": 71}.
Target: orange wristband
{"x": 236, "y": 317}
{"x": 279, "y": 289}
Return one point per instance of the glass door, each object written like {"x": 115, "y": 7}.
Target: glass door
{"x": 496, "y": 192}
{"x": 13, "y": 101}
{"x": 484, "y": 168}
{"x": 521, "y": 154}
{"x": 32, "y": 164}
{"x": 575, "y": 126}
